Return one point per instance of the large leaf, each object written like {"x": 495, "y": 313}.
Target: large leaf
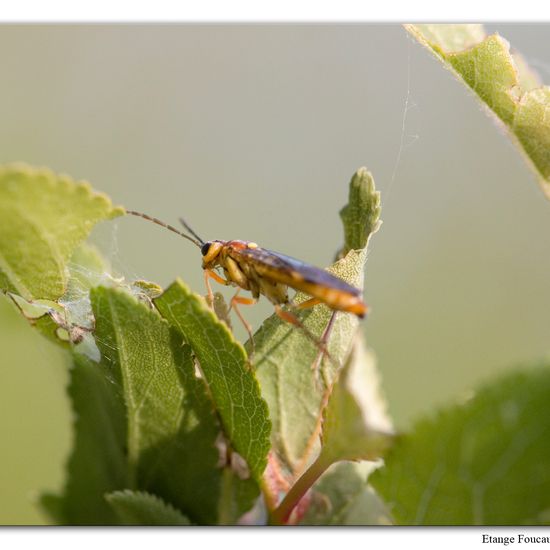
{"x": 171, "y": 427}
{"x": 98, "y": 461}
{"x": 223, "y": 363}
{"x": 284, "y": 355}
{"x": 141, "y": 508}
{"x": 502, "y": 81}
{"x": 43, "y": 218}
{"x": 485, "y": 461}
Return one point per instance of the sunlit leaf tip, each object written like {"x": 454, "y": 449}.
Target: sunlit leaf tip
{"x": 361, "y": 215}
{"x": 503, "y": 82}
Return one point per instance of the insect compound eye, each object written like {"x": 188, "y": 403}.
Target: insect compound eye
{"x": 205, "y": 248}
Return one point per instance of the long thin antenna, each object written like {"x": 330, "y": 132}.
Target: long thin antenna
{"x": 188, "y": 227}
{"x": 198, "y": 242}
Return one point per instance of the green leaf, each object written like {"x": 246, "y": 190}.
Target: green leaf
{"x": 237, "y": 496}
{"x": 141, "y": 508}
{"x": 284, "y": 355}
{"x": 52, "y": 505}
{"x": 97, "y": 464}
{"x": 43, "y": 218}
{"x": 223, "y": 363}
{"x": 485, "y": 461}
{"x": 87, "y": 269}
{"x": 69, "y": 321}
{"x": 502, "y": 81}
{"x": 362, "y": 213}
{"x": 172, "y": 428}
{"x": 342, "y": 496}
{"x": 44, "y": 315}
{"x": 354, "y": 428}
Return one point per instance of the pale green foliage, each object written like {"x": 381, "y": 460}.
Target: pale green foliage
{"x": 502, "y": 81}
{"x": 354, "y": 428}
{"x": 361, "y": 215}
{"x": 43, "y": 218}
{"x": 174, "y": 423}
{"x": 343, "y": 497}
{"x": 295, "y": 389}
{"x": 485, "y": 461}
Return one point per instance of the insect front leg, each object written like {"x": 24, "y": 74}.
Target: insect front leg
{"x": 241, "y": 300}
{"x": 209, "y": 274}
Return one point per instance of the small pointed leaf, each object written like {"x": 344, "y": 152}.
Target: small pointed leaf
{"x": 362, "y": 213}
{"x": 141, "y": 508}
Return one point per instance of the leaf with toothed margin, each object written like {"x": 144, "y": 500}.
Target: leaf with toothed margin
{"x": 223, "y": 364}
{"x": 171, "y": 426}
{"x": 284, "y": 355}
{"x": 482, "y": 461}
{"x": 502, "y": 81}
{"x": 43, "y": 218}
{"x": 141, "y": 508}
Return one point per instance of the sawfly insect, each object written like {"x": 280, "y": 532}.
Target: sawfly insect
{"x": 268, "y": 273}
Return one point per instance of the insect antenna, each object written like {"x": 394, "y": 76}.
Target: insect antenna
{"x": 196, "y": 241}
{"x": 189, "y": 228}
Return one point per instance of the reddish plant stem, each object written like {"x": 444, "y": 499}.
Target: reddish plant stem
{"x": 282, "y": 513}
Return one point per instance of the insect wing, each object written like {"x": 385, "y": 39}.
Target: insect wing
{"x": 290, "y": 271}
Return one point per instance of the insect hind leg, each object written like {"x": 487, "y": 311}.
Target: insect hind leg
{"x": 324, "y": 342}
{"x": 321, "y": 344}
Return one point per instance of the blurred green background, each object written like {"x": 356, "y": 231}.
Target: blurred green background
{"x": 253, "y": 132}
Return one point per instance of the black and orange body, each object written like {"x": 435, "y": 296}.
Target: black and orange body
{"x": 269, "y": 273}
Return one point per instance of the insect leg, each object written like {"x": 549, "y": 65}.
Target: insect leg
{"x": 324, "y": 342}
{"x": 245, "y": 302}
{"x": 209, "y": 274}
{"x": 292, "y": 319}
{"x": 308, "y": 303}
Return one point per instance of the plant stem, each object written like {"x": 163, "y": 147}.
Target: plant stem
{"x": 281, "y": 514}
